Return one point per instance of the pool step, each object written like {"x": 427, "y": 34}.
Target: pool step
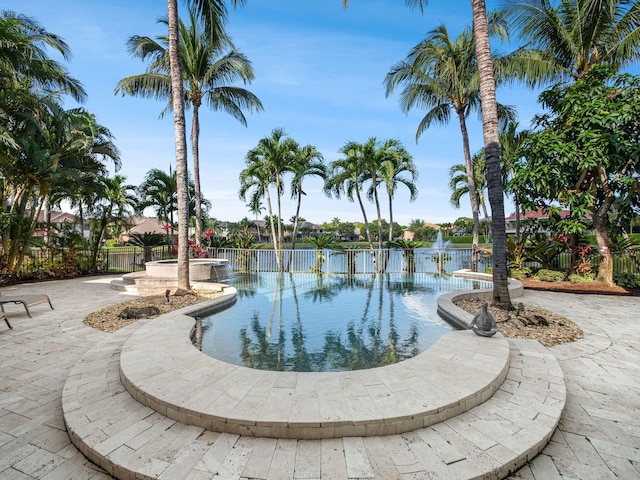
{"x": 132, "y": 441}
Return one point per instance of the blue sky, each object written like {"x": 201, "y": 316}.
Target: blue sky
{"x": 319, "y": 71}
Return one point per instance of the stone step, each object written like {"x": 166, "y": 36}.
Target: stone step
{"x": 491, "y": 440}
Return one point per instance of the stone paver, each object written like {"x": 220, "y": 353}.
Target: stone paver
{"x": 598, "y": 435}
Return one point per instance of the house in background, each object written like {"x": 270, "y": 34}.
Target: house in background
{"x": 140, "y": 226}
{"x": 540, "y": 215}
{"x": 57, "y": 221}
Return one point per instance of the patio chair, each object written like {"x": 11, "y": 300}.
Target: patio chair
{"x": 4, "y": 317}
{"x": 26, "y": 300}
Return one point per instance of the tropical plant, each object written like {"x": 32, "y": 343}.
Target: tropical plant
{"x": 408, "y": 248}
{"x": 583, "y": 157}
{"x": 210, "y": 65}
{"x": 58, "y": 150}
{"x": 320, "y": 243}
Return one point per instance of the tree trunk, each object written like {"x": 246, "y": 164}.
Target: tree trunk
{"x": 368, "y": 230}
{"x": 295, "y": 226}
{"x": 473, "y": 194}
{"x": 381, "y": 266}
{"x": 195, "y": 146}
{"x": 605, "y": 270}
{"x": 501, "y": 297}
{"x": 390, "y": 218}
{"x": 274, "y": 237}
{"x": 181, "y": 149}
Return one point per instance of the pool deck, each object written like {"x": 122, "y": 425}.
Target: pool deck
{"x": 598, "y": 434}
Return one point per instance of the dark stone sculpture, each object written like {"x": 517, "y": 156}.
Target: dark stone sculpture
{"x": 483, "y": 323}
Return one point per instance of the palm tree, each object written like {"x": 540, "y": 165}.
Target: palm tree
{"x": 266, "y": 164}
{"x": 563, "y": 41}
{"x": 307, "y": 161}
{"x": 490, "y": 124}
{"x": 442, "y": 75}
{"x": 393, "y": 173}
{"x": 458, "y": 182}
{"x": 24, "y": 56}
{"x": 57, "y": 148}
{"x": 209, "y": 65}
{"x": 345, "y": 178}
{"x": 112, "y": 204}
{"x": 159, "y": 191}
{"x": 510, "y": 141}
{"x": 255, "y": 207}
{"x": 214, "y": 15}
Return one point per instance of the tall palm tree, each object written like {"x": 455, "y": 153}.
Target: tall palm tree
{"x": 307, "y": 161}
{"x": 210, "y": 65}
{"x": 441, "y": 74}
{"x": 398, "y": 169}
{"x": 563, "y": 40}
{"x": 214, "y": 15}
{"x": 266, "y": 164}
{"x": 490, "y": 129}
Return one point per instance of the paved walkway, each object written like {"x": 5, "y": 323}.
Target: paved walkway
{"x": 599, "y": 434}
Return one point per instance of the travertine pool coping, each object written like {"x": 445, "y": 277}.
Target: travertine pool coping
{"x": 161, "y": 369}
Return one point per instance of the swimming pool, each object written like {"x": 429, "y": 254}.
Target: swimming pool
{"x": 307, "y": 322}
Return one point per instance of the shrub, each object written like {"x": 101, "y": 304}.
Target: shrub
{"x": 520, "y": 273}
{"x": 488, "y": 270}
{"x": 627, "y": 280}
{"x": 545, "y": 275}
{"x": 576, "y": 278}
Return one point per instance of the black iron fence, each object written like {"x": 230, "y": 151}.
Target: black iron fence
{"x": 41, "y": 264}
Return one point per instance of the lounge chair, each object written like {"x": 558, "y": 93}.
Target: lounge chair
{"x": 26, "y": 300}
{"x": 4, "y": 317}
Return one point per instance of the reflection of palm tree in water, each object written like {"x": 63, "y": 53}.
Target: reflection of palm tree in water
{"x": 361, "y": 347}
{"x": 263, "y": 354}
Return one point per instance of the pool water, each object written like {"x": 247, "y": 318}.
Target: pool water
{"x": 314, "y": 323}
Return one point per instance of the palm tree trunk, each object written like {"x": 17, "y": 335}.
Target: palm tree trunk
{"x": 274, "y": 237}
{"x": 295, "y": 225}
{"x": 368, "y": 230}
{"x": 279, "y": 193}
{"x": 473, "y": 195}
{"x": 390, "y": 218}
{"x": 501, "y": 297}
{"x": 195, "y": 147}
{"x": 181, "y": 148}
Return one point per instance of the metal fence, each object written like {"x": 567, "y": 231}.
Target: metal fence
{"x": 40, "y": 264}
{"x": 420, "y": 260}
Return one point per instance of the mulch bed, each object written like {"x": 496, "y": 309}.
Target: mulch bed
{"x": 596, "y": 288}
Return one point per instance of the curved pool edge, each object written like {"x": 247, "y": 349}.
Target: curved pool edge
{"x": 161, "y": 369}
{"x": 449, "y": 311}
